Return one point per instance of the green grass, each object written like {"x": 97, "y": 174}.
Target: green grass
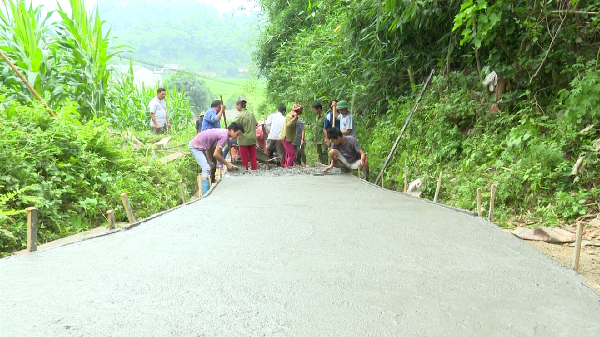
{"x": 230, "y": 88}
{"x": 224, "y": 86}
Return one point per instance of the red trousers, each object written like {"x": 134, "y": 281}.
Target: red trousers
{"x": 290, "y": 153}
{"x": 249, "y": 150}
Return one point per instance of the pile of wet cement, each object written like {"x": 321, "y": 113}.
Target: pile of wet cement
{"x": 279, "y": 172}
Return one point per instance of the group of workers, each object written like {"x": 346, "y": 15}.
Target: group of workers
{"x": 334, "y": 136}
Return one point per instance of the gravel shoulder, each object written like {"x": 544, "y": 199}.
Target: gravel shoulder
{"x": 589, "y": 260}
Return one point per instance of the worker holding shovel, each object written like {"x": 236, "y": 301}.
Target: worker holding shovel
{"x": 207, "y": 146}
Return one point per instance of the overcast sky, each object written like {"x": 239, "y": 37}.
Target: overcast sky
{"x": 221, "y": 5}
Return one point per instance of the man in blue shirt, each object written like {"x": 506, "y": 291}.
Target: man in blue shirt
{"x": 212, "y": 117}
{"x": 212, "y": 120}
{"x": 328, "y": 124}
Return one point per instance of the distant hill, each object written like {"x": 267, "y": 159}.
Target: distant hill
{"x": 189, "y": 33}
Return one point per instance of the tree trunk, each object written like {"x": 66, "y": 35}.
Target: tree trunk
{"x": 500, "y": 90}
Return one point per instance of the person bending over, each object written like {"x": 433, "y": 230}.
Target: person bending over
{"x": 207, "y": 146}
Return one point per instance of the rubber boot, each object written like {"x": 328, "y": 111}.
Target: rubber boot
{"x": 205, "y": 186}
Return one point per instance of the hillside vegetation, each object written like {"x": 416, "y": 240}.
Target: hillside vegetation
{"x": 74, "y": 167}
{"x": 188, "y": 33}
{"x": 525, "y": 135}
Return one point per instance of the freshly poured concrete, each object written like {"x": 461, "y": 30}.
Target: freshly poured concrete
{"x": 297, "y": 256}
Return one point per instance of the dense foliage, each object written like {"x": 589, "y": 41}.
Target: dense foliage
{"x": 74, "y": 167}
{"x": 69, "y": 60}
{"x": 189, "y": 33}
{"x": 73, "y": 172}
{"x": 526, "y": 135}
{"x": 199, "y": 95}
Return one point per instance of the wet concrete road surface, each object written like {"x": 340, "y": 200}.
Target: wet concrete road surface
{"x": 297, "y": 256}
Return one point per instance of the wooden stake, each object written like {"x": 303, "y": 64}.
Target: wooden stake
{"x": 199, "y": 180}
{"x": 479, "y": 202}
{"x": 405, "y": 179}
{"x": 110, "y": 215}
{"x": 382, "y": 182}
{"x": 32, "y": 217}
{"x": 37, "y": 96}
{"x": 127, "y": 208}
{"x": 491, "y": 217}
{"x": 439, "y": 186}
{"x": 182, "y": 191}
{"x": 578, "y": 246}
{"x": 228, "y": 140}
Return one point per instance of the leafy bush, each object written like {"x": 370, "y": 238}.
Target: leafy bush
{"x": 195, "y": 89}
{"x": 529, "y": 155}
{"x": 74, "y": 172}
{"x": 375, "y": 52}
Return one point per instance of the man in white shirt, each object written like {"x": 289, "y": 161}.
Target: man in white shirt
{"x": 274, "y": 126}
{"x": 158, "y": 112}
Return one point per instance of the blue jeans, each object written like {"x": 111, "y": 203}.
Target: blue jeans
{"x": 225, "y": 152}
{"x": 201, "y": 160}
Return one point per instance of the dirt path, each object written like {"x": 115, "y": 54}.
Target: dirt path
{"x": 589, "y": 261}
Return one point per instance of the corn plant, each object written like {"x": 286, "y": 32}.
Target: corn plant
{"x": 25, "y": 38}
{"x": 88, "y": 56}
{"x": 125, "y": 102}
{"x": 127, "y": 105}
{"x": 178, "y": 103}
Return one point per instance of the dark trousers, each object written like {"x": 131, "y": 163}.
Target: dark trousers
{"x": 300, "y": 154}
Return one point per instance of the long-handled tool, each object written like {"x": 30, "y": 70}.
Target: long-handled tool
{"x": 412, "y": 111}
{"x": 228, "y": 140}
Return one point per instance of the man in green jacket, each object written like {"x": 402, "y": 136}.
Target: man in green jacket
{"x": 319, "y": 133}
{"x": 247, "y": 140}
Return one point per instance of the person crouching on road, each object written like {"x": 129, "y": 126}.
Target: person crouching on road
{"x": 346, "y": 153}
{"x": 288, "y": 134}
{"x": 207, "y": 146}
{"x": 247, "y": 140}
